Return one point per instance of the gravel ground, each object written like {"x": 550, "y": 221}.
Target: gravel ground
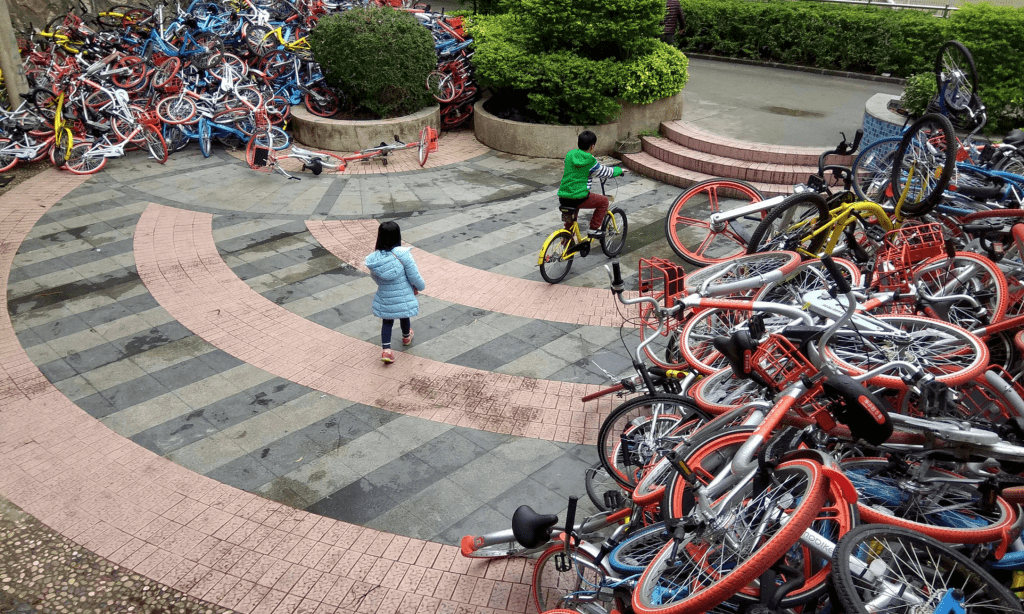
{"x": 42, "y": 572}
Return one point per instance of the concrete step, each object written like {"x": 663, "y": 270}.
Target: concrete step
{"x": 650, "y": 166}
{"x": 721, "y": 166}
{"x": 691, "y": 136}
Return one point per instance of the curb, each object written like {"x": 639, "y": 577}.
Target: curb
{"x": 810, "y": 69}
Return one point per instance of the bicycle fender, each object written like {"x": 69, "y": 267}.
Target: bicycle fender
{"x": 839, "y": 479}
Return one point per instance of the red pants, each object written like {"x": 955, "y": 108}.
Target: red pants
{"x": 597, "y": 202}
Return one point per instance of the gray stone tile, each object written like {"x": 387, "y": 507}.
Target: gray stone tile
{"x": 219, "y": 360}
{"x": 133, "y": 392}
{"x": 245, "y": 472}
{"x": 449, "y": 451}
{"x": 94, "y": 357}
{"x": 153, "y": 338}
{"x": 183, "y": 373}
{"x": 358, "y": 503}
{"x": 530, "y": 492}
{"x": 484, "y": 519}
{"x": 176, "y": 433}
{"x": 494, "y": 354}
{"x": 566, "y": 475}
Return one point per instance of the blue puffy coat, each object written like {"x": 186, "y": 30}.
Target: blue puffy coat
{"x": 396, "y": 275}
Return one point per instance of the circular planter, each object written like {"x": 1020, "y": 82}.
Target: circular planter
{"x": 879, "y": 122}
{"x": 352, "y": 135}
{"x": 553, "y": 140}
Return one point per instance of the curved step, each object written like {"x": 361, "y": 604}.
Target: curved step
{"x": 650, "y": 166}
{"x": 722, "y": 166}
{"x": 689, "y": 135}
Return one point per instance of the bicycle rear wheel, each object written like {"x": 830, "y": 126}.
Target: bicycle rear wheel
{"x": 872, "y": 170}
{"x": 916, "y": 574}
{"x": 155, "y": 143}
{"x": 970, "y": 274}
{"x": 8, "y": 159}
{"x": 79, "y": 161}
{"x": 580, "y": 584}
{"x": 956, "y": 76}
{"x": 321, "y": 101}
{"x": 721, "y": 392}
{"x": 554, "y": 263}
{"x": 690, "y": 234}
{"x": 923, "y": 163}
{"x": 741, "y": 274}
{"x": 613, "y": 232}
{"x": 205, "y": 132}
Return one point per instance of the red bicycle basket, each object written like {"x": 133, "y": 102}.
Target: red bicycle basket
{"x": 173, "y": 85}
{"x": 661, "y": 280}
{"x": 431, "y": 136}
{"x": 150, "y": 118}
{"x": 779, "y": 362}
{"x": 901, "y": 250}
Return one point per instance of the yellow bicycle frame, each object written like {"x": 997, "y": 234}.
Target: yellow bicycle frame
{"x": 298, "y": 45}
{"x": 577, "y": 238}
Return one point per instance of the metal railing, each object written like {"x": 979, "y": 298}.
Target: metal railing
{"x": 944, "y": 10}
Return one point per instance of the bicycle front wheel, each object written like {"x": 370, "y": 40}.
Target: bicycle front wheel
{"x": 690, "y": 234}
{"x": 923, "y": 163}
{"x": 911, "y": 573}
{"x": 711, "y": 566}
{"x": 79, "y": 161}
{"x": 204, "y": 137}
{"x": 613, "y": 229}
{"x": 176, "y": 109}
{"x": 8, "y": 159}
{"x": 741, "y": 274}
{"x": 791, "y": 226}
{"x": 554, "y": 263}
{"x": 630, "y": 438}
{"x": 155, "y": 144}
{"x": 581, "y": 583}
{"x": 956, "y": 76}
{"x": 968, "y": 274}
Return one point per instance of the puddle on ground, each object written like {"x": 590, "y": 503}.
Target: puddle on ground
{"x": 792, "y": 112}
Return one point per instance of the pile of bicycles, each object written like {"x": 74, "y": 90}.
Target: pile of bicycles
{"x": 159, "y": 79}
{"x": 827, "y": 416}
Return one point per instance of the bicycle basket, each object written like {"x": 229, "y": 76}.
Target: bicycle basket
{"x": 150, "y": 118}
{"x": 431, "y": 135}
{"x": 173, "y": 85}
{"x": 921, "y": 241}
{"x": 661, "y": 280}
{"x": 779, "y": 363}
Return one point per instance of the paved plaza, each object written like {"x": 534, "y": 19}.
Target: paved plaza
{"x": 191, "y": 386}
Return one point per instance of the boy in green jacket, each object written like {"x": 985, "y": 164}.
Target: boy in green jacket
{"x": 580, "y": 168}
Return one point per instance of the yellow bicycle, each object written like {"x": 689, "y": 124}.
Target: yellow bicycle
{"x": 563, "y": 245}
{"x": 262, "y": 40}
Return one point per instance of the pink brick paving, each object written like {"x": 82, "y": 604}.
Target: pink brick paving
{"x": 351, "y": 240}
{"x": 156, "y": 518}
{"x": 178, "y": 261}
{"x": 452, "y": 147}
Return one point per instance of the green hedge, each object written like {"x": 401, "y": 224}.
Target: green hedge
{"x": 868, "y": 40}
{"x": 379, "y": 57}
{"x": 574, "y": 79}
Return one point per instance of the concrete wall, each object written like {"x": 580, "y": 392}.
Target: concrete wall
{"x": 349, "y": 135}
{"x": 552, "y": 140}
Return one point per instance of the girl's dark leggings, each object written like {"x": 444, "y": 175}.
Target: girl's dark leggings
{"x": 385, "y": 331}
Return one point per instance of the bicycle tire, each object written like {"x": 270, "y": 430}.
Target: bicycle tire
{"x": 788, "y": 226}
{"x": 709, "y": 456}
{"x": 950, "y": 353}
{"x": 741, "y": 274}
{"x": 423, "y": 148}
{"x": 63, "y": 141}
{"x": 1013, "y": 163}
{"x": 97, "y": 100}
{"x": 176, "y": 110}
{"x": 551, "y": 588}
{"x": 80, "y": 163}
{"x": 134, "y": 18}
{"x": 276, "y": 64}
{"x": 660, "y": 587}
{"x": 554, "y": 266}
{"x": 204, "y": 137}
{"x": 8, "y": 159}
{"x": 928, "y": 148}
{"x": 693, "y": 239}
{"x": 721, "y": 392}
{"x": 698, "y": 334}
{"x": 952, "y": 513}
{"x": 872, "y": 170}
{"x": 920, "y": 567}
{"x": 971, "y": 274}
{"x": 630, "y": 436}
{"x": 165, "y": 71}
{"x": 155, "y": 143}
{"x": 175, "y": 137}
{"x": 637, "y": 550}
{"x": 613, "y": 232}
{"x": 321, "y": 101}
{"x": 257, "y": 39}
{"x": 954, "y": 65}
{"x": 598, "y": 482}
{"x": 135, "y": 74}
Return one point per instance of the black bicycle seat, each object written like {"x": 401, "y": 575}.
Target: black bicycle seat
{"x": 530, "y": 528}
{"x": 1015, "y": 138}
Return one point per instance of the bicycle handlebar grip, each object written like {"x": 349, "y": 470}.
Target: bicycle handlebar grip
{"x": 856, "y": 139}
{"x": 842, "y": 284}
{"x": 602, "y": 392}
{"x": 617, "y": 284}
{"x": 570, "y": 520}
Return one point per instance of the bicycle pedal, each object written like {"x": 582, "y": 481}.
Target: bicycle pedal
{"x": 562, "y": 562}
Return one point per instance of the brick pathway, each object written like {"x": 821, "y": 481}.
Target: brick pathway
{"x": 458, "y": 283}
{"x": 187, "y": 531}
{"x": 178, "y": 261}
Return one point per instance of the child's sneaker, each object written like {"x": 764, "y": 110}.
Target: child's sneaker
{"x": 387, "y": 356}
{"x": 595, "y": 233}
{"x": 407, "y": 340}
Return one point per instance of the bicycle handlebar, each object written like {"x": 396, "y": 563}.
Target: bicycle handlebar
{"x": 842, "y": 149}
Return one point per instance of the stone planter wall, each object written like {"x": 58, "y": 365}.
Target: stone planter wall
{"x": 351, "y": 135}
{"x": 552, "y": 141}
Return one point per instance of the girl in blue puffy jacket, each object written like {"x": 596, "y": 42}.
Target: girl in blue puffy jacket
{"x": 398, "y": 283}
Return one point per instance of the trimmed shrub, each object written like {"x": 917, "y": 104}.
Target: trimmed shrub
{"x": 574, "y": 79}
{"x": 918, "y": 92}
{"x": 379, "y": 57}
